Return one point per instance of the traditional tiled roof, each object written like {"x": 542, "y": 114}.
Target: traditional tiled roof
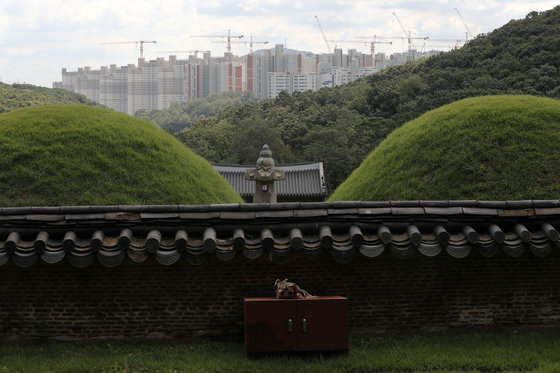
{"x": 303, "y": 180}
{"x": 344, "y": 230}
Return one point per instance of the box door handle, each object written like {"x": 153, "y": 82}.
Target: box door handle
{"x": 290, "y": 325}
{"x": 304, "y": 322}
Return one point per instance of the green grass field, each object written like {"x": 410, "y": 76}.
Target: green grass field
{"x": 485, "y": 148}
{"x": 497, "y": 351}
{"x": 79, "y": 155}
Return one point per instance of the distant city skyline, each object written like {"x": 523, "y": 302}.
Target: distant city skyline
{"x": 38, "y": 38}
{"x": 156, "y": 84}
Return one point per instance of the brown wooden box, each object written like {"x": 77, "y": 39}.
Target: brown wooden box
{"x": 311, "y": 324}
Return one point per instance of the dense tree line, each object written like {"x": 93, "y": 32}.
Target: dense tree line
{"x": 342, "y": 125}
{"x": 181, "y": 115}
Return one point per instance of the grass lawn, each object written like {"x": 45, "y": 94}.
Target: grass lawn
{"x": 496, "y": 351}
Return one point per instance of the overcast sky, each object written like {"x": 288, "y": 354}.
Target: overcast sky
{"x": 39, "y": 37}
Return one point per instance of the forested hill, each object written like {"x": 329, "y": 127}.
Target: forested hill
{"x": 182, "y": 115}
{"x": 342, "y": 125}
{"x": 16, "y": 96}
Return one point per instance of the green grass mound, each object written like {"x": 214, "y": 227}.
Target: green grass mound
{"x": 486, "y": 148}
{"x": 80, "y": 155}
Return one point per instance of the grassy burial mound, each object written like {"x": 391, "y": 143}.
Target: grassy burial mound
{"x": 81, "y": 155}
{"x": 487, "y": 148}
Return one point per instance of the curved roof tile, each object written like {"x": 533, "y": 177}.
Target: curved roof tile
{"x": 346, "y": 231}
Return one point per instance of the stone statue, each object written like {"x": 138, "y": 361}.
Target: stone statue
{"x": 264, "y": 177}
{"x": 289, "y": 290}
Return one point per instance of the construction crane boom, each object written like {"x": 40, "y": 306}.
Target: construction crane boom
{"x": 468, "y": 33}
{"x": 196, "y": 52}
{"x": 250, "y": 42}
{"x": 407, "y": 34}
{"x": 141, "y": 42}
{"x": 453, "y": 40}
{"x": 350, "y": 41}
{"x": 375, "y": 37}
{"x": 371, "y": 43}
{"x": 323, "y": 33}
{"x": 456, "y": 41}
{"x": 228, "y": 38}
{"x": 439, "y": 46}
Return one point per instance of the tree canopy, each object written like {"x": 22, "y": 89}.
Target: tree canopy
{"x": 181, "y": 115}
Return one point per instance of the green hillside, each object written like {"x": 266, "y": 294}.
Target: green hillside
{"x": 487, "y": 148}
{"x": 342, "y": 125}
{"x": 18, "y": 96}
{"x": 80, "y": 155}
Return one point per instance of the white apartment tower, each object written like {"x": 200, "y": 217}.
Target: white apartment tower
{"x": 278, "y": 82}
{"x": 113, "y": 88}
{"x": 302, "y": 82}
{"x": 279, "y": 60}
{"x": 150, "y": 85}
{"x": 338, "y": 58}
{"x": 258, "y": 67}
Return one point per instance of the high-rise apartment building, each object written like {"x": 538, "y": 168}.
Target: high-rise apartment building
{"x": 279, "y": 59}
{"x": 302, "y": 82}
{"x": 84, "y": 81}
{"x": 338, "y": 58}
{"x": 259, "y": 65}
{"x": 277, "y": 82}
{"x": 155, "y": 84}
{"x": 113, "y": 88}
{"x": 150, "y": 85}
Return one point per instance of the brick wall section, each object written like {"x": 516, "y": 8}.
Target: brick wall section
{"x": 149, "y": 300}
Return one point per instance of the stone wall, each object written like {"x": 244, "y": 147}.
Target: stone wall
{"x": 148, "y": 300}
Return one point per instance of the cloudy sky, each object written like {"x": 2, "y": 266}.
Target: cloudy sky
{"x": 39, "y": 37}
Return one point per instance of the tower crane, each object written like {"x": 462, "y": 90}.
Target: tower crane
{"x": 468, "y": 33}
{"x": 408, "y": 36}
{"x": 374, "y": 39}
{"x": 250, "y": 42}
{"x": 447, "y": 46}
{"x": 228, "y": 38}
{"x": 323, "y": 33}
{"x": 372, "y": 43}
{"x": 456, "y": 41}
{"x": 196, "y": 52}
{"x": 141, "y": 42}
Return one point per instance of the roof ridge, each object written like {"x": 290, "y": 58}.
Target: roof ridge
{"x": 400, "y": 207}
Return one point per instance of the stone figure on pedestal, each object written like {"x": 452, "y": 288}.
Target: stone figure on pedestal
{"x": 264, "y": 176}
